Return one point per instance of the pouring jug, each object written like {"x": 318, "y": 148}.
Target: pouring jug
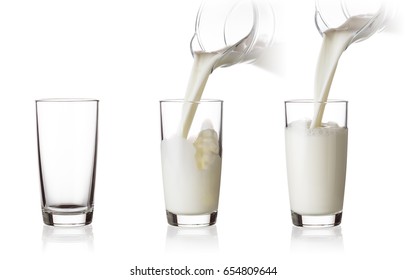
{"x": 333, "y": 14}
{"x": 240, "y": 29}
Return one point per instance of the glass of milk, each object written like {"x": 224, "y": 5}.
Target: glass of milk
{"x": 191, "y": 162}
{"x": 316, "y": 161}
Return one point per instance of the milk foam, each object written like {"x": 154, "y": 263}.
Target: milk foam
{"x": 329, "y": 128}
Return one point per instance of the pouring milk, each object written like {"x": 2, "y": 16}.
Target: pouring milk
{"x": 198, "y": 191}
{"x": 335, "y": 42}
{"x": 317, "y": 187}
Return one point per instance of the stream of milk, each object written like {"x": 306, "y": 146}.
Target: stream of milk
{"x": 317, "y": 187}
{"x": 191, "y": 164}
{"x": 335, "y": 42}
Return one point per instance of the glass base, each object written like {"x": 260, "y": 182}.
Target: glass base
{"x": 67, "y": 219}
{"x": 316, "y": 220}
{"x": 191, "y": 220}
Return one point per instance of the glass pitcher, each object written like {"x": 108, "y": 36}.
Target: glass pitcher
{"x": 240, "y": 28}
{"x": 333, "y": 13}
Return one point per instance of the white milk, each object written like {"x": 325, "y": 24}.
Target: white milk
{"x": 191, "y": 173}
{"x": 192, "y": 168}
{"x": 316, "y": 153}
{"x": 335, "y": 42}
{"x": 316, "y": 163}
{"x": 203, "y": 65}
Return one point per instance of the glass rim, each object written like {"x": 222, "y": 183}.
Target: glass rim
{"x": 308, "y": 101}
{"x": 178, "y": 100}
{"x": 67, "y": 100}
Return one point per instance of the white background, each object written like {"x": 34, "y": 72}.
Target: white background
{"x": 130, "y": 55}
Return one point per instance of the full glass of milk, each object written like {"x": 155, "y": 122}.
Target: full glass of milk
{"x": 316, "y": 161}
{"x": 191, "y": 160}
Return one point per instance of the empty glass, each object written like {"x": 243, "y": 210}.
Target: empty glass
{"x": 67, "y": 149}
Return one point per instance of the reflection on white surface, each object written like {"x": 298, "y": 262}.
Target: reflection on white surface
{"x": 316, "y": 240}
{"x": 74, "y": 238}
{"x": 202, "y": 239}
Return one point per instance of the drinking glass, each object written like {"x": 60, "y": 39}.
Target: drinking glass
{"x": 316, "y": 161}
{"x": 67, "y": 149}
{"x": 191, "y": 158}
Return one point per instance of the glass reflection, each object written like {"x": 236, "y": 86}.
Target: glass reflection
{"x": 317, "y": 240}
{"x": 75, "y": 238}
{"x": 202, "y": 239}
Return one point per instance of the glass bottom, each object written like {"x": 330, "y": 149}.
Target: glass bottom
{"x": 191, "y": 220}
{"x": 67, "y": 219}
{"x": 316, "y": 220}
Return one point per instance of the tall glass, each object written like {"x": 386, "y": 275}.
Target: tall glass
{"x": 191, "y": 160}
{"x": 316, "y": 161}
{"x": 67, "y": 149}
